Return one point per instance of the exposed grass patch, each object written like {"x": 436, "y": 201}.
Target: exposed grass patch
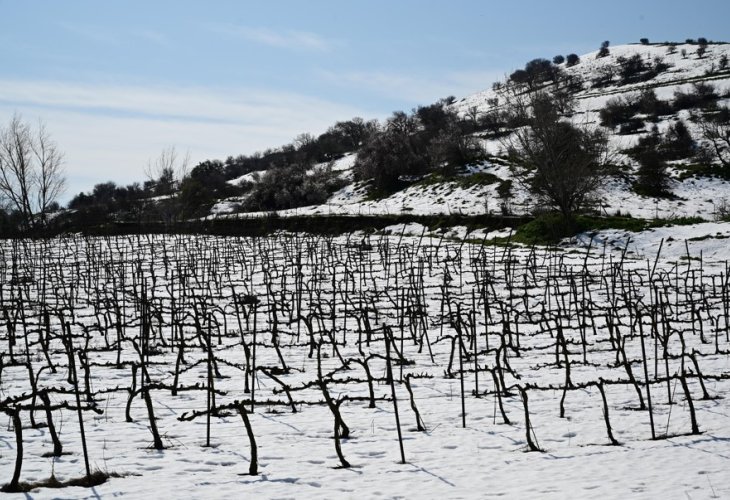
{"x": 709, "y": 237}
{"x": 549, "y": 229}
{"x": 695, "y": 170}
{"x": 679, "y": 221}
{"x": 662, "y": 195}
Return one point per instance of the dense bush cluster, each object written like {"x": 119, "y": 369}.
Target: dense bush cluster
{"x": 343, "y": 137}
{"x": 431, "y": 139}
{"x": 634, "y": 69}
{"x": 127, "y": 203}
{"x": 292, "y": 186}
{"x": 535, "y": 73}
{"x": 206, "y": 183}
{"x": 628, "y": 70}
{"x": 622, "y": 111}
{"x": 628, "y": 113}
{"x": 701, "y": 95}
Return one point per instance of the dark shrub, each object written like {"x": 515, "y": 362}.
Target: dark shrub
{"x": 618, "y": 110}
{"x": 572, "y": 60}
{"x": 678, "y": 142}
{"x": 603, "y": 51}
{"x": 652, "y": 175}
{"x": 536, "y": 72}
{"x": 632, "y": 126}
{"x": 653, "y": 107}
{"x": 293, "y": 186}
{"x": 702, "y": 95}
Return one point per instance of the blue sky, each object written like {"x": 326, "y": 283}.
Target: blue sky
{"x": 116, "y": 82}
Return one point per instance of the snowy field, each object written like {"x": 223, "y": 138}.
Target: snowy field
{"x": 603, "y": 350}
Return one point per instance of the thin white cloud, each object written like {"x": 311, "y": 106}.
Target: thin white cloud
{"x": 285, "y": 39}
{"x": 115, "y": 38}
{"x": 412, "y": 88}
{"x": 109, "y": 132}
{"x": 237, "y": 105}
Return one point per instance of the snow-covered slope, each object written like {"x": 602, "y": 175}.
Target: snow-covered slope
{"x": 694, "y": 196}
{"x": 682, "y": 71}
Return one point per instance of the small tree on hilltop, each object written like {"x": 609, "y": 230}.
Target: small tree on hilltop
{"x": 572, "y": 60}
{"x": 535, "y": 73}
{"x": 701, "y": 47}
{"x": 603, "y": 51}
{"x": 558, "y": 59}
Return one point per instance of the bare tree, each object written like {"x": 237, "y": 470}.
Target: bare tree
{"x": 473, "y": 113}
{"x": 50, "y": 181}
{"x": 560, "y": 162}
{"x": 304, "y": 140}
{"x": 165, "y": 173}
{"x": 167, "y": 170}
{"x": 31, "y": 173}
{"x": 716, "y": 130}
{"x": 15, "y": 166}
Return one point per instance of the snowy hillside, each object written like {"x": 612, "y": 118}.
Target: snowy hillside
{"x": 683, "y": 69}
{"x": 694, "y": 196}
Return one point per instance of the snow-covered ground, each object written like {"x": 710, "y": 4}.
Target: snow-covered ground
{"x": 708, "y": 240}
{"x": 486, "y": 457}
{"x": 694, "y": 197}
